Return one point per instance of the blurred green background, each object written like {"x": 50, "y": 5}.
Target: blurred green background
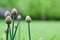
{"x": 37, "y": 9}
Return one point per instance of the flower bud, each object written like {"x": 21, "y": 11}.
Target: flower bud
{"x": 13, "y": 11}
{"x": 7, "y": 13}
{"x": 28, "y": 19}
{"x": 19, "y": 17}
{"x": 16, "y": 26}
{"x": 8, "y": 20}
{"x": 6, "y": 30}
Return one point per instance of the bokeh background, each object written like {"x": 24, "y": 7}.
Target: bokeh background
{"x": 37, "y": 9}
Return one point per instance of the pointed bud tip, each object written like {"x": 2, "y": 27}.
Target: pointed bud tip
{"x": 7, "y": 13}
{"x": 13, "y": 11}
{"x": 8, "y": 20}
{"x": 19, "y": 17}
{"x": 28, "y": 19}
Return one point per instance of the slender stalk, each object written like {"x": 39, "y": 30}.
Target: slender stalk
{"x": 7, "y": 35}
{"x": 10, "y": 32}
{"x": 29, "y": 31}
{"x": 12, "y": 27}
{"x": 15, "y": 32}
{"x": 19, "y": 31}
{"x": 7, "y": 32}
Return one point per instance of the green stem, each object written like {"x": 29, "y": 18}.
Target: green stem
{"x": 29, "y": 31}
{"x": 19, "y": 31}
{"x": 15, "y": 32}
{"x": 7, "y": 35}
{"x": 10, "y": 32}
{"x": 12, "y": 27}
{"x": 7, "y": 32}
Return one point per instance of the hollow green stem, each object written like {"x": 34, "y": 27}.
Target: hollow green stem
{"x": 7, "y": 32}
{"x": 19, "y": 31}
{"x": 29, "y": 31}
{"x": 15, "y": 32}
{"x": 10, "y": 32}
{"x": 7, "y": 35}
{"x": 12, "y": 27}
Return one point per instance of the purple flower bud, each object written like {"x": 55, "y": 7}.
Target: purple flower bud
{"x": 19, "y": 17}
{"x": 8, "y": 20}
{"x": 13, "y": 12}
{"x": 7, "y": 13}
{"x": 28, "y": 19}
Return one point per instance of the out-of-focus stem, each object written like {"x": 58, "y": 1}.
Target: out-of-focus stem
{"x": 10, "y": 32}
{"x": 7, "y": 35}
{"x": 7, "y": 32}
{"x": 12, "y": 27}
{"x": 29, "y": 31}
{"x": 15, "y": 32}
{"x": 19, "y": 31}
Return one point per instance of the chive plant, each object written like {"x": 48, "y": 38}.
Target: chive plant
{"x": 11, "y": 30}
{"x": 19, "y": 20}
{"x": 8, "y": 22}
{"x": 16, "y": 26}
{"x": 6, "y": 31}
{"x": 13, "y": 13}
{"x": 28, "y": 19}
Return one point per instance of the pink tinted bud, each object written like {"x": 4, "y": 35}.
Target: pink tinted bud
{"x": 28, "y": 19}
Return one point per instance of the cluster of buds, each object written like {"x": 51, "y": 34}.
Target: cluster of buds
{"x": 10, "y": 20}
{"x": 8, "y": 15}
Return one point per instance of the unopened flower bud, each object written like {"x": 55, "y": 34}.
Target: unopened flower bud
{"x": 16, "y": 26}
{"x": 8, "y": 20}
{"x": 19, "y": 17}
{"x": 28, "y": 19}
{"x": 6, "y": 30}
{"x": 13, "y": 12}
{"x": 7, "y": 13}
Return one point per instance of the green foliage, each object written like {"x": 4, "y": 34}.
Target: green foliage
{"x": 35, "y": 8}
{"x": 45, "y": 29}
